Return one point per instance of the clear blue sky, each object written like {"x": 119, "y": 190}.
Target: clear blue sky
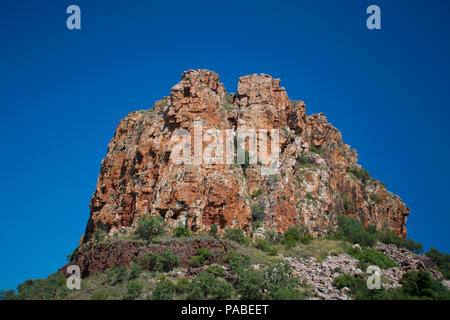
{"x": 62, "y": 94}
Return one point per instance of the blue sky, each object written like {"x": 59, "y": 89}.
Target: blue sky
{"x": 62, "y": 94}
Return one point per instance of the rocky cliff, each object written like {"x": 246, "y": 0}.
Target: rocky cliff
{"x": 318, "y": 176}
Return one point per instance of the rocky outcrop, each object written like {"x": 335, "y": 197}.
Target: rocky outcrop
{"x": 321, "y": 274}
{"x": 409, "y": 261}
{"x": 317, "y": 177}
{"x": 102, "y": 256}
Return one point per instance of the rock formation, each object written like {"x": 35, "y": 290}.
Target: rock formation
{"x": 318, "y": 176}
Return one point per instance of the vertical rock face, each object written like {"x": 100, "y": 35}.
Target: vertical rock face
{"x": 318, "y": 176}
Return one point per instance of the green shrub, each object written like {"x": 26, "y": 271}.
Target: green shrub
{"x": 343, "y": 281}
{"x": 296, "y": 234}
{"x": 221, "y": 289}
{"x": 135, "y": 271}
{"x": 265, "y": 246}
{"x": 164, "y": 290}
{"x": 359, "y": 174}
{"x": 196, "y": 261}
{"x": 148, "y": 262}
{"x": 442, "y": 261}
{"x": 150, "y": 227}
{"x": 181, "y": 232}
{"x": 306, "y": 239}
{"x": 40, "y": 289}
{"x": 116, "y": 275}
{"x": 372, "y": 229}
{"x": 182, "y": 285}
{"x": 368, "y": 256}
{"x": 238, "y": 263}
{"x": 214, "y": 230}
{"x": 272, "y": 282}
{"x": 236, "y": 235}
{"x": 195, "y": 292}
{"x": 256, "y": 225}
{"x": 205, "y": 280}
{"x": 217, "y": 271}
{"x": 273, "y": 237}
{"x": 421, "y": 284}
{"x": 168, "y": 261}
{"x": 315, "y": 149}
{"x": 415, "y": 285}
{"x": 304, "y": 160}
{"x": 389, "y": 237}
{"x": 250, "y": 284}
{"x": 353, "y": 231}
{"x": 204, "y": 253}
{"x": 256, "y": 193}
{"x": 375, "y": 197}
{"x": 99, "y": 295}
{"x": 134, "y": 289}
{"x": 7, "y": 294}
{"x": 99, "y": 234}
{"x": 257, "y": 213}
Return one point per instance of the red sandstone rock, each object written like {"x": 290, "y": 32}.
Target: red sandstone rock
{"x": 138, "y": 177}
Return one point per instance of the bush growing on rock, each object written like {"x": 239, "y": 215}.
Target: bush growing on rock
{"x": 99, "y": 295}
{"x": 182, "y": 285}
{"x": 150, "y": 227}
{"x": 236, "y": 235}
{"x": 168, "y": 261}
{"x": 196, "y": 261}
{"x": 221, "y": 289}
{"x": 134, "y": 289}
{"x": 421, "y": 284}
{"x": 359, "y": 174}
{"x": 148, "y": 262}
{"x": 274, "y": 282}
{"x": 353, "y": 231}
{"x": 214, "y": 230}
{"x": 202, "y": 255}
{"x": 442, "y": 261}
{"x": 415, "y": 285}
{"x": 40, "y": 289}
{"x": 181, "y": 232}
{"x": 99, "y": 234}
{"x": 390, "y": 237}
{"x": 135, "y": 271}
{"x": 295, "y": 234}
{"x": 257, "y": 212}
{"x": 116, "y": 275}
{"x": 265, "y": 246}
{"x": 164, "y": 290}
{"x": 273, "y": 237}
{"x": 217, "y": 271}
{"x": 194, "y": 291}
{"x": 368, "y": 256}
{"x": 165, "y": 262}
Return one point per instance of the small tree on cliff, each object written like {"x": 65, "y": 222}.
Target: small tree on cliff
{"x": 150, "y": 227}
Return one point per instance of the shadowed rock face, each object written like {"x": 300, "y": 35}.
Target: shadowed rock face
{"x": 138, "y": 176}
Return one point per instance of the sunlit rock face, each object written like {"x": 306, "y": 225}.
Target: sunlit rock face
{"x": 317, "y": 179}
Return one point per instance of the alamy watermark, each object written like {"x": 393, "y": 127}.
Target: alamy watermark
{"x": 73, "y": 22}
{"x": 74, "y": 280}
{"x": 374, "y": 279}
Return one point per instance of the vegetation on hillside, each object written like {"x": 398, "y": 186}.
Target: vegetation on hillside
{"x": 254, "y": 270}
